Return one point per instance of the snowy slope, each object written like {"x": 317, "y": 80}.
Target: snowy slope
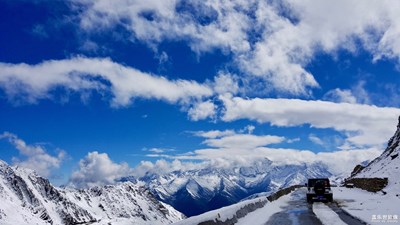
{"x": 380, "y": 205}
{"x": 27, "y": 198}
{"x": 386, "y": 165}
{"x": 212, "y": 188}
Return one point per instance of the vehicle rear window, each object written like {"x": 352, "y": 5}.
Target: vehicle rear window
{"x": 311, "y": 182}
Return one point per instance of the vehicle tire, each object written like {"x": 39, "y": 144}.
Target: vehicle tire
{"x": 330, "y": 198}
{"x": 309, "y": 199}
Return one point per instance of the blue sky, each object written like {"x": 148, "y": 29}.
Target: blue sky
{"x": 123, "y": 87}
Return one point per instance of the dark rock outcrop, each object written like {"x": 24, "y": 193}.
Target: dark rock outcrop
{"x": 368, "y": 184}
{"x": 357, "y": 169}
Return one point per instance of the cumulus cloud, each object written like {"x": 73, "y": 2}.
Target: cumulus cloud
{"x": 226, "y": 83}
{"x": 364, "y": 125}
{"x": 97, "y": 169}
{"x": 271, "y": 40}
{"x": 34, "y": 157}
{"x": 202, "y": 110}
{"x": 80, "y": 74}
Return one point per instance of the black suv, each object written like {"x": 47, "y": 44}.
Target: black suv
{"x": 319, "y": 189}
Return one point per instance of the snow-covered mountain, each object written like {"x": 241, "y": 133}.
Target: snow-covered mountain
{"x": 212, "y": 188}
{"x": 27, "y": 198}
{"x": 386, "y": 165}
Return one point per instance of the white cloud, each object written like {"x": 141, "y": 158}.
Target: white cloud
{"x": 202, "y": 110}
{"x": 97, "y": 169}
{"x": 243, "y": 141}
{"x": 316, "y": 140}
{"x": 162, "y": 58}
{"x": 248, "y": 129}
{"x": 90, "y": 46}
{"x": 226, "y": 83}
{"x": 338, "y": 95}
{"x": 226, "y": 148}
{"x": 290, "y": 141}
{"x": 229, "y": 148}
{"x": 271, "y": 40}
{"x": 34, "y": 157}
{"x": 40, "y": 31}
{"x": 357, "y": 94}
{"x": 80, "y": 74}
{"x": 385, "y": 94}
{"x": 162, "y": 166}
{"x": 342, "y": 161}
{"x": 361, "y": 94}
{"x": 214, "y": 133}
{"x": 230, "y": 144}
{"x": 159, "y": 150}
{"x": 235, "y": 149}
{"x": 364, "y": 125}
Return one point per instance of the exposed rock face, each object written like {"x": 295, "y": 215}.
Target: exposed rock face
{"x": 357, "y": 169}
{"x": 27, "y": 198}
{"x": 369, "y": 184}
{"x": 394, "y": 141}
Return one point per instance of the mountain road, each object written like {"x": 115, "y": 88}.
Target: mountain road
{"x": 297, "y": 211}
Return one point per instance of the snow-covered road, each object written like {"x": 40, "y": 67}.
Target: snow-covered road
{"x": 297, "y": 211}
{"x": 293, "y": 209}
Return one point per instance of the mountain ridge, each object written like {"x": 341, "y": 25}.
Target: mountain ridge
{"x": 30, "y": 199}
{"x": 208, "y": 189}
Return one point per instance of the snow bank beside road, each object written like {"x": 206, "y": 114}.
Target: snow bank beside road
{"x": 222, "y": 214}
{"x": 260, "y": 216}
{"x": 373, "y": 208}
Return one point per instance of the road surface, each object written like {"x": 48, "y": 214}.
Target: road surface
{"x": 298, "y": 212}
